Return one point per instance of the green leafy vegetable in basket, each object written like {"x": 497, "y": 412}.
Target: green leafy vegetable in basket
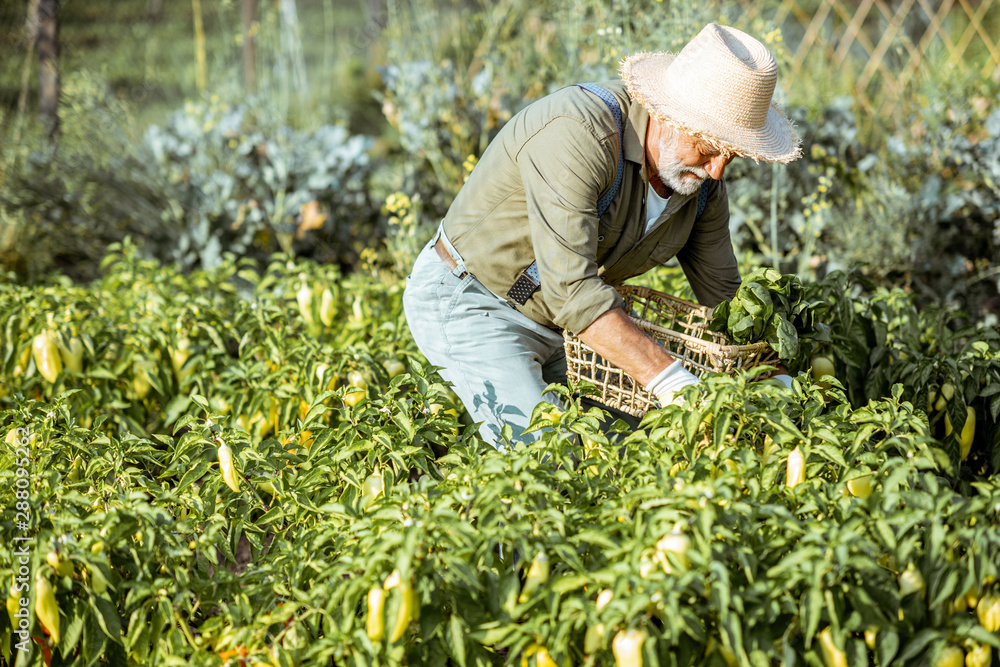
{"x": 769, "y": 306}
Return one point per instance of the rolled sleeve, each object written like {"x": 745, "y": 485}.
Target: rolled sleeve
{"x": 707, "y": 258}
{"x": 564, "y": 168}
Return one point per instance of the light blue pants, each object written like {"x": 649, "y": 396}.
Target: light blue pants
{"x": 498, "y": 360}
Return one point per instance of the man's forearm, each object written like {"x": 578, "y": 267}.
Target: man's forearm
{"x": 616, "y": 338}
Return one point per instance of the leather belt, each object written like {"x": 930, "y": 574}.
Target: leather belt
{"x": 446, "y": 257}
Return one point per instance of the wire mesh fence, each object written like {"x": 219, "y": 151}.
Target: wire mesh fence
{"x": 884, "y": 49}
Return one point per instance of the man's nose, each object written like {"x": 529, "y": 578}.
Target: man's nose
{"x": 716, "y": 166}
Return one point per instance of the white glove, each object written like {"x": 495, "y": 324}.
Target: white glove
{"x": 671, "y": 380}
{"x": 784, "y": 379}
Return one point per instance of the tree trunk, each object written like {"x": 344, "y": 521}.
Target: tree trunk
{"x": 249, "y": 69}
{"x": 377, "y": 13}
{"x": 292, "y": 48}
{"x": 31, "y": 27}
{"x": 200, "y": 72}
{"x": 154, "y": 9}
{"x": 48, "y": 66}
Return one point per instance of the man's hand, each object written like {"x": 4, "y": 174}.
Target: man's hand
{"x": 666, "y": 385}
{"x": 616, "y": 338}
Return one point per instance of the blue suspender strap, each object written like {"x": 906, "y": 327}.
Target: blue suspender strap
{"x": 605, "y": 201}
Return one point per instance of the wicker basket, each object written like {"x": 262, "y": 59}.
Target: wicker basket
{"x": 682, "y": 328}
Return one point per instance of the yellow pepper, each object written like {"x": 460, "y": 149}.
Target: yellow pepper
{"x": 796, "y": 471}
{"x": 46, "y": 608}
{"x": 46, "y": 353}
{"x": 371, "y": 489}
{"x": 408, "y": 608}
{"x": 594, "y": 638}
{"x": 358, "y": 309}
{"x": 822, "y": 366}
{"x": 832, "y": 655}
{"x": 228, "y": 470}
{"x": 13, "y": 605}
{"x": 979, "y": 655}
{"x": 538, "y": 574}
{"x": 393, "y": 367}
{"x": 860, "y": 487}
{"x": 355, "y": 381}
{"x": 304, "y": 299}
{"x": 676, "y": 543}
{"x": 971, "y": 598}
{"x": 950, "y": 656}
{"x": 327, "y": 309}
{"x": 376, "y": 603}
{"x": 75, "y": 470}
{"x": 968, "y": 430}
{"x": 988, "y": 611}
{"x": 627, "y": 648}
{"x": 22, "y": 361}
{"x": 543, "y": 659}
{"x": 274, "y": 414}
{"x": 140, "y": 379}
{"x": 911, "y": 581}
{"x": 63, "y": 568}
{"x": 179, "y": 354}
{"x": 947, "y": 393}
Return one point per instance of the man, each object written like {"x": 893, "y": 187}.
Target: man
{"x": 532, "y": 214}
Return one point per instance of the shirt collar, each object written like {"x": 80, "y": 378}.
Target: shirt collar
{"x": 635, "y": 134}
{"x": 635, "y": 137}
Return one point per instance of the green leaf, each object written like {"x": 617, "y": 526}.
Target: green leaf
{"x": 919, "y": 642}
{"x": 177, "y": 406}
{"x": 107, "y": 617}
{"x": 457, "y": 631}
{"x": 74, "y": 628}
{"x": 194, "y": 474}
{"x": 886, "y": 647}
{"x": 568, "y": 583}
{"x": 201, "y": 401}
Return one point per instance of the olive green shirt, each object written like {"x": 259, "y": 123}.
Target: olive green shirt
{"x": 533, "y": 196}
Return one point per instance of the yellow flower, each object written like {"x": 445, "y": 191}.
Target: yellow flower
{"x": 369, "y": 256}
{"x": 396, "y": 202}
{"x": 469, "y": 164}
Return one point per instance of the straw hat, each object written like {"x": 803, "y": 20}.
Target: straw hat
{"x": 718, "y": 88}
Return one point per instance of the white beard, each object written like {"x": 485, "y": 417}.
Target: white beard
{"x": 673, "y": 173}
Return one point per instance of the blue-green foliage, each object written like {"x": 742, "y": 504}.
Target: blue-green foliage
{"x": 236, "y": 183}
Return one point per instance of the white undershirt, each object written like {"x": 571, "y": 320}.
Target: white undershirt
{"x": 654, "y": 207}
